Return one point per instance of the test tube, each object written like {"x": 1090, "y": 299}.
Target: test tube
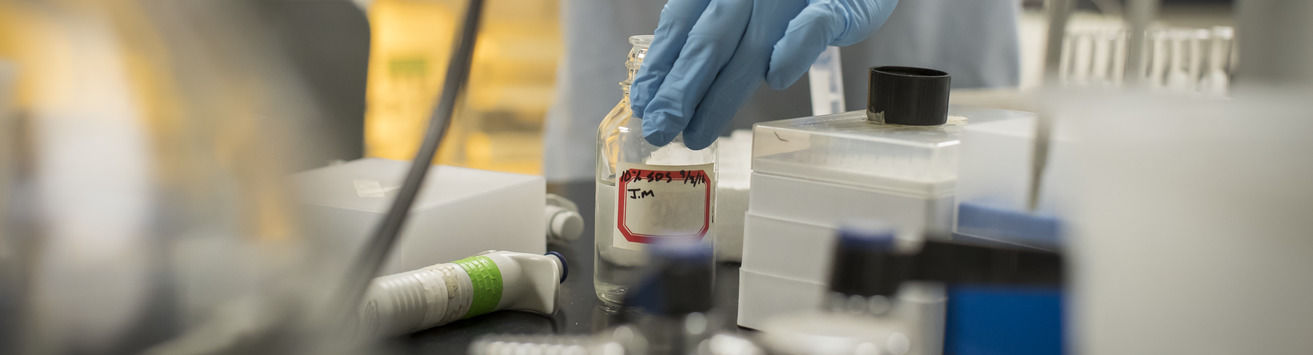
{"x": 1064, "y": 63}
{"x": 1158, "y": 62}
{"x": 1195, "y": 68}
{"x": 1118, "y": 57}
{"x": 1083, "y": 54}
{"x": 1103, "y": 42}
{"x": 1216, "y": 81}
{"x": 1177, "y": 77}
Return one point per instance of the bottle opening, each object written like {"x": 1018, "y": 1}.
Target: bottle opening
{"x": 640, "y": 41}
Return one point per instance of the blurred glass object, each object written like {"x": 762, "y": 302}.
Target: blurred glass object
{"x": 498, "y": 126}
{"x": 147, "y": 189}
{"x": 1191, "y": 221}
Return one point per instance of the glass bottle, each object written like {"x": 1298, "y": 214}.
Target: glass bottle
{"x": 668, "y": 191}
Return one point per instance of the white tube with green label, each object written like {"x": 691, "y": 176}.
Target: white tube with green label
{"x": 439, "y": 294}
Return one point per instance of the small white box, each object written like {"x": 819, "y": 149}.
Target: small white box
{"x": 459, "y": 212}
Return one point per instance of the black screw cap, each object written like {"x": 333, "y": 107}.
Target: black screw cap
{"x": 908, "y": 96}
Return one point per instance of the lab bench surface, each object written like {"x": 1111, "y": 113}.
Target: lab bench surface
{"x": 578, "y": 309}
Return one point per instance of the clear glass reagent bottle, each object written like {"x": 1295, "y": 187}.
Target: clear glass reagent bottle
{"x": 664, "y": 192}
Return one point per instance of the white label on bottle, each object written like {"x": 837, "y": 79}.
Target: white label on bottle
{"x": 662, "y": 201}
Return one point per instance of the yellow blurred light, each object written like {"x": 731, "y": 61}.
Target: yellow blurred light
{"x": 498, "y": 125}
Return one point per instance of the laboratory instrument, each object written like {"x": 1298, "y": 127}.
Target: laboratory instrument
{"x": 439, "y": 294}
{"x": 460, "y": 212}
{"x": 169, "y": 123}
{"x": 645, "y": 193}
{"x": 564, "y": 223}
{"x": 1000, "y": 299}
{"x": 694, "y": 83}
{"x": 812, "y": 173}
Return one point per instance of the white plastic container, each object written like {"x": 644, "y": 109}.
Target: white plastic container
{"x": 811, "y": 174}
{"x": 459, "y": 212}
{"x": 787, "y": 248}
{"x": 829, "y": 204}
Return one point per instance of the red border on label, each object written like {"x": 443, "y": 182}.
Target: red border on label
{"x": 647, "y": 238}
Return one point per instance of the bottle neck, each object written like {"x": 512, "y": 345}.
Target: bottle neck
{"x": 632, "y": 63}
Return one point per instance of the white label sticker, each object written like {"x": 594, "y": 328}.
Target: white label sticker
{"x": 654, "y": 201}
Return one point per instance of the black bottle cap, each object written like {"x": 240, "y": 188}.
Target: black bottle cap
{"x": 908, "y": 96}
{"x": 679, "y": 279}
{"x": 866, "y": 262}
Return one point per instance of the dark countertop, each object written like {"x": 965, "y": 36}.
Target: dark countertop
{"x": 578, "y": 311}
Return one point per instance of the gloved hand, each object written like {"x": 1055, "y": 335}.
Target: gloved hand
{"x": 707, "y": 56}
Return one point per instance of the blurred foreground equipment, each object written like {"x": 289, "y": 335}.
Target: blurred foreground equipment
{"x": 143, "y": 169}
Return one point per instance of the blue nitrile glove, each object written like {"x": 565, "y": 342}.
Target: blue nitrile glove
{"x": 709, "y": 55}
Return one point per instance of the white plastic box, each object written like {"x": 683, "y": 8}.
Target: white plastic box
{"x": 811, "y": 174}
{"x": 459, "y": 212}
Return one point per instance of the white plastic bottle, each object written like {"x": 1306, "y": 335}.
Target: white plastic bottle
{"x": 665, "y": 192}
{"x": 435, "y": 295}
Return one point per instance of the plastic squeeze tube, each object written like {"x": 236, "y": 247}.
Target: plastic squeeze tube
{"x": 439, "y": 294}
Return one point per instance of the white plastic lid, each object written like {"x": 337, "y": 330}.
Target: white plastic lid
{"x": 847, "y": 148}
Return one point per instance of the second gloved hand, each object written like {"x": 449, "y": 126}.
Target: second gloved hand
{"x": 708, "y": 56}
